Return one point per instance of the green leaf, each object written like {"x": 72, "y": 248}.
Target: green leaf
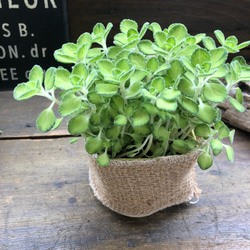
{"x": 188, "y": 65}
{"x": 78, "y": 124}
{"x": 120, "y": 120}
{"x": 205, "y": 161}
{"x": 216, "y": 145}
{"x": 238, "y": 106}
{"x": 61, "y": 57}
{"x": 160, "y": 38}
{"x": 50, "y": 78}
{"x": 179, "y": 31}
{"x": 117, "y": 102}
{"x": 242, "y": 45}
{"x": 238, "y": 95}
{"x": 155, "y": 27}
{"x": 144, "y": 29}
{"x": 170, "y": 94}
{"x": 133, "y": 91}
{"x": 166, "y": 105}
{"x": 69, "y": 49}
{"x": 230, "y": 153}
{"x": 206, "y": 113}
{"x": 84, "y": 38}
{"x": 202, "y": 130}
{"x": 46, "y": 120}
{"x": 158, "y": 83}
{"x": 80, "y": 70}
{"x": 152, "y": 64}
{"x": 145, "y": 46}
{"x": 106, "y": 89}
{"x": 180, "y": 146}
{"x": 83, "y": 51}
{"x": 186, "y": 87}
{"x": 218, "y": 57}
{"x": 176, "y": 69}
{"x": 223, "y": 131}
{"x": 113, "y": 132}
{"x": 36, "y": 74}
{"x": 199, "y": 57}
{"x": 150, "y": 108}
{"x": 215, "y": 92}
{"x": 139, "y": 118}
{"x": 57, "y": 123}
{"x": 74, "y": 140}
{"x": 137, "y": 60}
{"x": 147, "y": 94}
{"x": 190, "y": 105}
{"x": 144, "y": 130}
{"x": 103, "y": 159}
{"x": 99, "y": 29}
{"x": 62, "y": 79}
{"x": 220, "y": 36}
{"x": 93, "y": 145}
{"x": 209, "y": 43}
{"x": 70, "y": 104}
{"x": 25, "y": 91}
{"x": 105, "y": 66}
{"x": 231, "y": 135}
{"x": 94, "y": 98}
{"x": 161, "y": 133}
{"x": 127, "y": 24}
{"x": 123, "y": 64}
{"x": 107, "y": 30}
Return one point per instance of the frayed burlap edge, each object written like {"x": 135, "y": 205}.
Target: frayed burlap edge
{"x": 141, "y": 187}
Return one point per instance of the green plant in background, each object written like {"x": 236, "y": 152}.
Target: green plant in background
{"x": 143, "y": 98}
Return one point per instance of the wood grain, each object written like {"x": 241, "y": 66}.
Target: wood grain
{"x": 231, "y": 17}
{"x": 46, "y": 203}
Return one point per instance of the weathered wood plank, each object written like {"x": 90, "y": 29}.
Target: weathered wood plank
{"x": 231, "y": 17}
{"x": 46, "y": 203}
{"x": 18, "y": 119}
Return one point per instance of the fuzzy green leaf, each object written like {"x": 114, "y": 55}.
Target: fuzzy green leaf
{"x": 205, "y": 161}
{"x": 176, "y": 69}
{"x": 215, "y": 92}
{"x": 105, "y": 66}
{"x": 216, "y": 145}
{"x": 94, "y": 98}
{"x": 166, "y": 105}
{"x": 160, "y": 38}
{"x": 139, "y": 118}
{"x": 46, "y": 120}
{"x": 150, "y": 108}
{"x": 158, "y": 83}
{"x": 117, "y": 102}
{"x": 70, "y": 104}
{"x": 127, "y": 24}
{"x": 145, "y": 46}
{"x": 180, "y": 146}
{"x": 36, "y": 74}
{"x": 49, "y": 80}
{"x": 239, "y": 96}
{"x": 137, "y": 60}
{"x": 62, "y": 79}
{"x": 238, "y": 106}
{"x": 106, "y": 89}
{"x": 83, "y": 51}
{"x": 93, "y": 145}
{"x": 220, "y": 36}
{"x": 25, "y": 91}
{"x": 206, "y": 113}
{"x": 190, "y": 105}
{"x": 144, "y": 130}
{"x": 230, "y": 153}
{"x": 113, "y": 132}
{"x": 218, "y": 57}
{"x": 170, "y": 94}
{"x": 123, "y": 64}
{"x": 242, "y": 45}
{"x": 103, "y": 159}
{"x": 161, "y": 133}
{"x": 202, "y": 130}
{"x": 84, "y": 38}
{"x": 186, "y": 87}
{"x": 209, "y": 43}
{"x": 69, "y": 49}
{"x": 179, "y": 31}
{"x": 133, "y": 91}
{"x": 152, "y": 64}
{"x": 200, "y": 56}
{"x": 120, "y": 120}
{"x": 78, "y": 125}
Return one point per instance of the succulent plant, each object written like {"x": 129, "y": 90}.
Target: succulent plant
{"x": 142, "y": 98}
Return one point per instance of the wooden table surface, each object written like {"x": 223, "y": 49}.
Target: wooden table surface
{"x": 46, "y": 201}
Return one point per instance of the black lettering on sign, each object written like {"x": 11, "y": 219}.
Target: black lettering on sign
{"x": 30, "y": 32}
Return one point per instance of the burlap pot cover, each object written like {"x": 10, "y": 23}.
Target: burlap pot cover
{"x": 141, "y": 187}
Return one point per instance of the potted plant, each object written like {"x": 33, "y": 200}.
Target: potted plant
{"x": 143, "y": 107}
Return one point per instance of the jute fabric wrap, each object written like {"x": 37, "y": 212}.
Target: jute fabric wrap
{"x": 141, "y": 187}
